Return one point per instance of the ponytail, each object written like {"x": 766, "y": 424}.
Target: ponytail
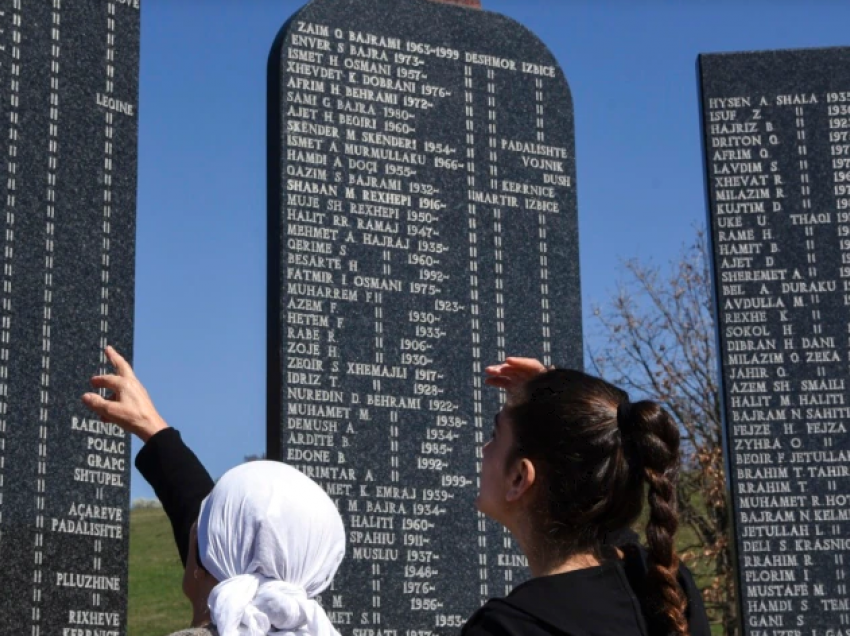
{"x": 593, "y": 450}
{"x": 655, "y": 438}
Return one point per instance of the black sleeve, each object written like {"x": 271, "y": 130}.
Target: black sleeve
{"x": 697, "y": 617}
{"x": 179, "y": 480}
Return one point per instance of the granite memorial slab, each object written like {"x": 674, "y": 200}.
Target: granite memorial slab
{"x": 776, "y": 133}
{"x": 68, "y": 120}
{"x": 422, "y": 225}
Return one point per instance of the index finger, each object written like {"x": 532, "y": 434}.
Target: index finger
{"x": 121, "y": 365}
{"x": 106, "y": 410}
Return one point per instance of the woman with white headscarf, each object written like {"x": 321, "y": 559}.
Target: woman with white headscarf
{"x": 269, "y": 541}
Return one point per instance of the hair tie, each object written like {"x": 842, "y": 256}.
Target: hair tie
{"x": 624, "y": 417}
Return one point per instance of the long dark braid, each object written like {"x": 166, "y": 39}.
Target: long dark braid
{"x": 593, "y": 451}
{"x": 656, "y": 438}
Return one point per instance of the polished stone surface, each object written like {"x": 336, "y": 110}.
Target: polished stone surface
{"x": 776, "y": 130}
{"x": 422, "y": 225}
{"x": 68, "y": 121}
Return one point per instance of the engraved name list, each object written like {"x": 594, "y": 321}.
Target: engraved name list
{"x": 776, "y": 144}
{"x": 423, "y": 226}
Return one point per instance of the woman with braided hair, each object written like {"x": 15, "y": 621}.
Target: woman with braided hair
{"x": 565, "y": 472}
{"x": 569, "y": 465}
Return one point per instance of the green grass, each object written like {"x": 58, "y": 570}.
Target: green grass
{"x": 156, "y": 606}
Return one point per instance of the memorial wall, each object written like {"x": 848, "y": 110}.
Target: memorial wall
{"x": 68, "y": 120}
{"x": 422, "y": 225}
{"x": 776, "y": 131}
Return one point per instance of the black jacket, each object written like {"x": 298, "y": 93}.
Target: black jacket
{"x": 604, "y": 600}
{"x": 179, "y": 480}
{"x": 608, "y": 600}
{"x": 589, "y": 602}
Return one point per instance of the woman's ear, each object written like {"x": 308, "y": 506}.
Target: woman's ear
{"x": 522, "y": 479}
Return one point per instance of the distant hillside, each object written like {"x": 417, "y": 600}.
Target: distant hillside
{"x": 157, "y": 606}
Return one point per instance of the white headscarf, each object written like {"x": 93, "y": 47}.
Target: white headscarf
{"x": 274, "y": 540}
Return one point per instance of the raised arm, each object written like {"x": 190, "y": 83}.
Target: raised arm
{"x": 178, "y": 478}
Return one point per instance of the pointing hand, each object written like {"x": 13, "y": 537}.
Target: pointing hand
{"x": 129, "y": 406}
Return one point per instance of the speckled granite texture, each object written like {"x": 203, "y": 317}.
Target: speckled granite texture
{"x": 776, "y": 128}
{"x": 422, "y": 224}
{"x": 68, "y": 121}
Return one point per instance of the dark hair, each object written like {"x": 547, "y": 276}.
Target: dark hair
{"x": 594, "y": 451}
{"x": 198, "y": 556}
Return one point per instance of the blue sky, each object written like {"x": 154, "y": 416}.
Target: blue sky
{"x": 200, "y": 273}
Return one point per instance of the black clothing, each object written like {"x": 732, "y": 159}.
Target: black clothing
{"x": 179, "y": 480}
{"x": 609, "y": 599}
{"x": 636, "y": 566}
{"x": 603, "y": 600}
{"x": 591, "y": 601}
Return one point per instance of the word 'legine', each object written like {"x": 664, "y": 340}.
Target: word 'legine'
{"x": 407, "y": 166}
{"x": 64, "y": 478}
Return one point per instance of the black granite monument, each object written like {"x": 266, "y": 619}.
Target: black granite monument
{"x": 68, "y": 95}
{"x": 776, "y": 129}
{"x": 422, "y": 225}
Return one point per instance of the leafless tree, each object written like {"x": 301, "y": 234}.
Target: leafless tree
{"x": 656, "y": 339}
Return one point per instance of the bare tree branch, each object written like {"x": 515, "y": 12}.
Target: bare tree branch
{"x": 657, "y": 340}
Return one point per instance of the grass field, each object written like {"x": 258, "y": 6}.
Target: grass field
{"x": 157, "y": 606}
